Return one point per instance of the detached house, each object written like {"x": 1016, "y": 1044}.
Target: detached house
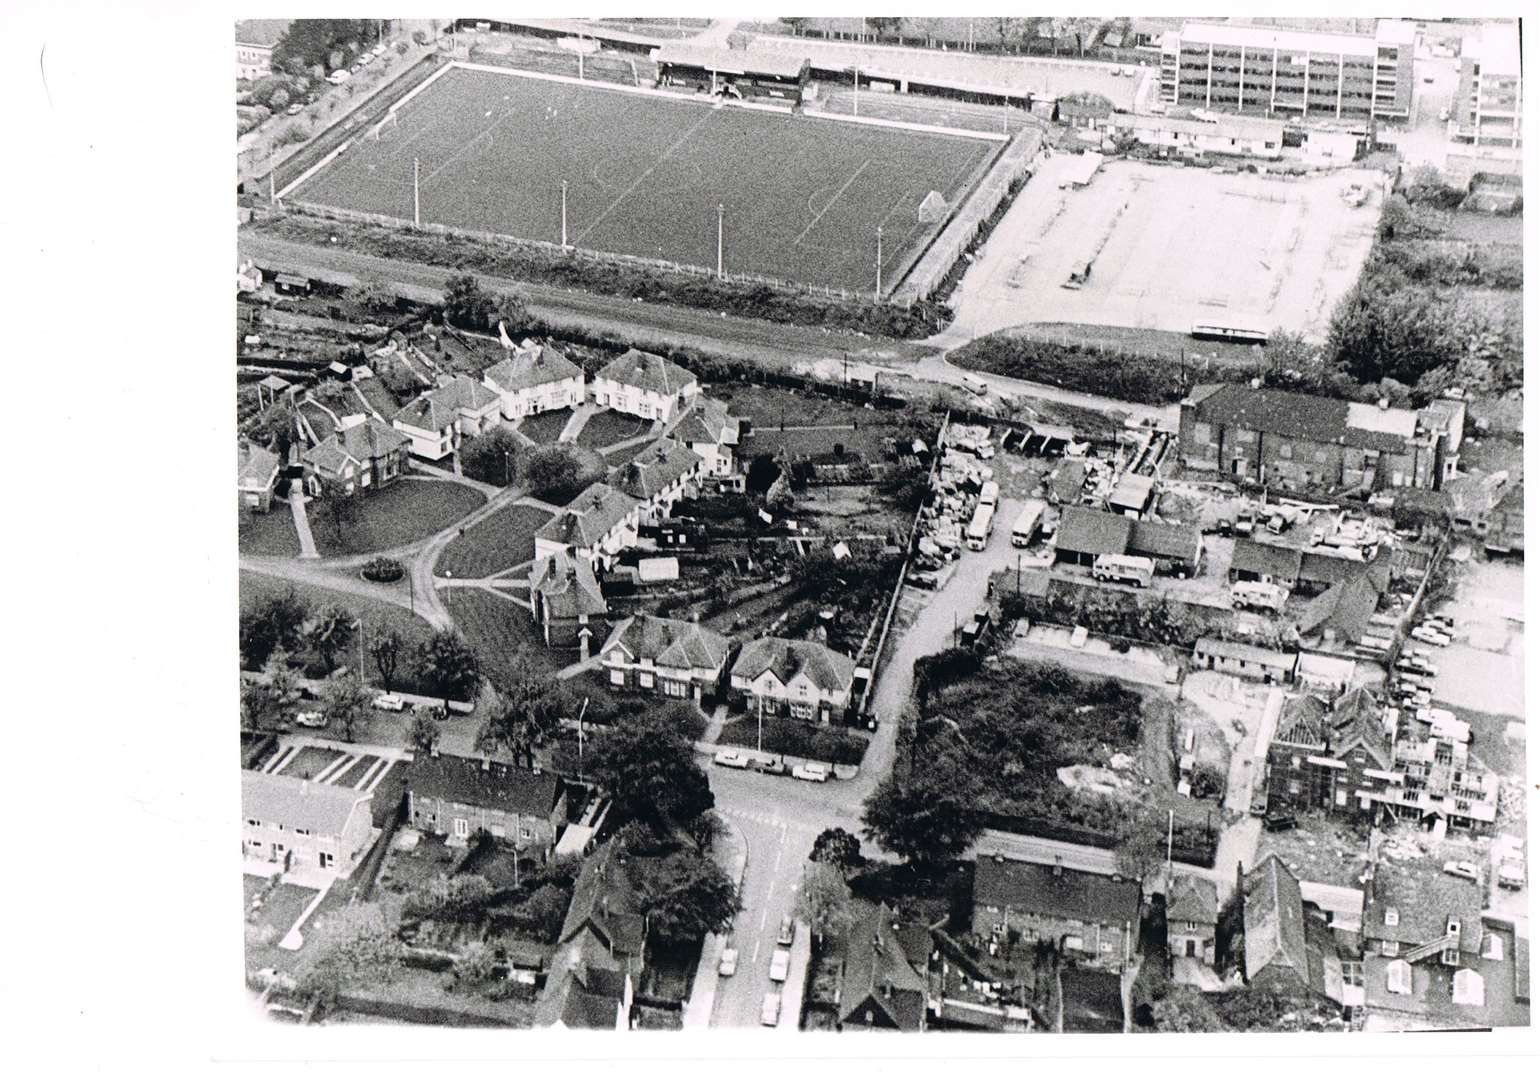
{"x": 362, "y": 454}
{"x": 534, "y": 379}
{"x": 805, "y": 679}
{"x": 597, "y": 525}
{"x": 882, "y": 985}
{"x": 256, "y": 474}
{"x": 443, "y": 417}
{"x": 670, "y": 657}
{"x": 713, "y": 435}
{"x": 1092, "y": 918}
{"x": 296, "y": 823}
{"x": 657, "y": 478}
{"x": 643, "y": 384}
{"x": 1192, "y": 917}
{"x": 456, "y": 797}
{"x": 566, "y": 601}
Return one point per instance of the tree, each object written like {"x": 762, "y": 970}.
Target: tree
{"x": 823, "y": 902}
{"x": 339, "y": 508}
{"x": 467, "y": 305}
{"x": 351, "y": 946}
{"x": 684, "y": 896}
{"x": 525, "y": 713}
{"x": 492, "y": 457}
{"x": 344, "y": 704}
{"x": 1141, "y": 849}
{"x": 274, "y": 427}
{"x": 309, "y": 41}
{"x": 763, "y": 471}
{"x": 543, "y": 913}
{"x": 930, "y": 816}
{"x": 1011, "y": 31}
{"x": 838, "y": 848}
{"x": 475, "y": 963}
{"x": 261, "y": 707}
{"x": 649, "y": 769}
{"x": 372, "y": 296}
{"x": 511, "y": 310}
{"x": 553, "y": 473}
{"x": 423, "y": 734}
{"x": 449, "y": 666}
{"x": 274, "y": 623}
{"x": 385, "y": 648}
{"x": 332, "y": 632}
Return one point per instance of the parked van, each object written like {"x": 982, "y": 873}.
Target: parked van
{"x": 977, "y": 386}
{"x": 1027, "y": 523}
{"x": 980, "y": 527}
{"x": 989, "y": 494}
{"x": 340, "y": 76}
{"x": 1258, "y": 594}
{"x": 1128, "y": 569}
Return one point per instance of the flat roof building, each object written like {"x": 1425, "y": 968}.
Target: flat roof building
{"x": 1490, "y": 96}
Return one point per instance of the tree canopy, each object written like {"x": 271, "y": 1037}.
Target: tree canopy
{"x": 838, "y": 848}
{"x": 274, "y": 623}
{"x": 823, "y": 901}
{"x": 929, "y": 816}
{"x": 650, "y": 771}
{"x": 684, "y": 895}
{"x": 351, "y": 946}
{"x": 553, "y": 473}
{"x": 450, "y": 666}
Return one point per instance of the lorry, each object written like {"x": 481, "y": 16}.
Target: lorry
{"x": 1128, "y": 569}
{"x": 980, "y": 527}
{"x": 1258, "y": 594}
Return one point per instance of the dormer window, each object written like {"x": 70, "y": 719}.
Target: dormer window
{"x": 1392, "y": 917}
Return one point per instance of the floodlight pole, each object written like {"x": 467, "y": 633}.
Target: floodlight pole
{"x": 879, "y": 264}
{"x": 856, "y": 111}
{"x": 416, "y": 191}
{"x": 721, "y": 209}
{"x": 564, "y": 215}
{"x": 272, "y": 178}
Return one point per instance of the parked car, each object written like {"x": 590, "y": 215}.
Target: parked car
{"x": 1510, "y": 873}
{"x": 817, "y": 773}
{"x": 770, "y": 1010}
{"x": 780, "y": 964}
{"x": 310, "y": 719}
{"x": 787, "y": 933}
{"x": 295, "y": 109}
{"x": 379, "y": 50}
{"x": 424, "y": 708}
{"x": 770, "y": 765}
{"x": 1468, "y": 871}
{"x": 731, "y": 759}
{"x": 1429, "y": 636}
{"x": 274, "y": 978}
{"x": 924, "y": 579}
{"x": 729, "y": 963}
{"x": 1259, "y": 803}
{"x": 1279, "y": 822}
{"x": 390, "y": 702}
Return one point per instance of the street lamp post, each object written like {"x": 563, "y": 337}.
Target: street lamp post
{"x": 721, "y": 209}
{"x": 879, "y": 263}
{"x": 564, "y": 215}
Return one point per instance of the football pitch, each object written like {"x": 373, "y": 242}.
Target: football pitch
{"x": 802, "y": 198}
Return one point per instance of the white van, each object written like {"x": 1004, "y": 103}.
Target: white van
{"x": 1129, "y": 569}
{"x": 1024, "y": 531}
{"x": 1258, "y": 594}
{"x": 977, "y": 386}
{"x": 340, "y": 76}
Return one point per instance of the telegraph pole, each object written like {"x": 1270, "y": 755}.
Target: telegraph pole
{"x": 417, "y": 191}
{"x": 879, "y": 264}
{"x": 721, "y": 209}
{"x": 857, "y": 109}
{"x": 272, "y": 178}
{"x": 564, "y": 215}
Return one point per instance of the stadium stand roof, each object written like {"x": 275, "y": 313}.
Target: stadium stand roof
{"x": 731, "y": 61}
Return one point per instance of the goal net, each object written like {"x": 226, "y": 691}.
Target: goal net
{"x": 932, "y": 208}
{"x": 386, "y": 125}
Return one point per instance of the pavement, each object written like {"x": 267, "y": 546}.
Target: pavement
{"x": 307, "y": 548}
{"x": 731, "y": 852}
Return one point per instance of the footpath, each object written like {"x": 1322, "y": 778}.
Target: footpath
{"x": 732, "y": 853}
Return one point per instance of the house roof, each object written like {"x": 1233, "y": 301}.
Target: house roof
{"x": 731, "y": 61}
{"x": 1224, "y": 127}
{"x": 490, "y": 785}
{"x": 647, "y": 371}
{"x": 256, "y": 466}
{"x": 1354, "y": 718}
{"x": 371, "y": 438}
{"x": 1475, "y": 491}
{"x": 1239, "y": 650}
{"x": 827, "y": 669}
{"x": 329, "y": 456}
{"x": 672, "y": 643}
{"x": 1303, "y": 722}
{"x": 707, "y": 422}
{"x": 568, "y": 586}
{"x": 588, "y": 1011}
{"x": 1040, "y": 889}
{"x": 655, "y": 469}
{"x": 1164, "y": 539}
{"x": 439, "y": 408}
{"x": 1072, "y": 109}
{"x": 261, "y": 32}
{"x": 589, "y": 517}
{"x": 1132, "y": 491}
{"x": 879, "y": 973}
{"x": 1192, "y": 899}
{"x": 1067, "y": 481}
{"x": 1323, "y": 568}
{"x": 1274, "y": 560}
{"x": 604, "y": 902}
{"x": 1512, "y": 501}
{"x": 1304, "y": 416}
{"x": 1345, "y": 608}
{"x": 1274, "y": 919}
{"x": 296, "y": 803}
{"x": 531, "y": 365}
{"x": 1424, "y": 898}
{"x": 1093, "y": 532}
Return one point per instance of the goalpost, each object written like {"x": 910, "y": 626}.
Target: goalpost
{"x": 387, "y": 124}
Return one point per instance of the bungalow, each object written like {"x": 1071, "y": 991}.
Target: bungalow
{"x": 657, "y": 478}
{"x": 597, "y": 525}
{"x": 297, "y": 823}
{"x": 456, "y": 797}
{"x": 1085, "y": 534}
{"x": 643, "y": 384}
{"x": 712, "y": 434}
{"x": 1174, "y": 548}
{"x": 1272, "y": 564}
{"x": 805, "y": 679}
{"x": 256, "y": 473}
{"x": 565, "y": 600}
{"x": 1093, "y": 918}
{"x": 883, "y": 984}
{"x": 534, "y": 379}
{"x": 438, "y": 421}
{"x": 362, "y": 453}
{"x": 1287, "y": 950}
{"x": 1090, "y": 113}
{"x": 1248, "y": 661}
{"x": 670, "y": 657}
{"x": 1192, "y": 917}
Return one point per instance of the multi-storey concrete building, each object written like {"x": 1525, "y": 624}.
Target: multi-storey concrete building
{"x": 1491, "y": 91}
{"x": 1294, "y": 74}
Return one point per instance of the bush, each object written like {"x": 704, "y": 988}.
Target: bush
{"x": 383, "y": 570}
{"x": 401, "y": 46}
{"x": 294, "y": 133}
{"x": 419, "y": 36}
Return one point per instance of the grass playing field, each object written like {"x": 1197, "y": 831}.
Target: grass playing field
{"x": 803, "y": 197}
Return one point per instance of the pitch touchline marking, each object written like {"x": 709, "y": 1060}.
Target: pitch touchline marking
{"x": 469, "y": 143}
{"x": 638, "y": 181}
{"x": 831, "y": 202}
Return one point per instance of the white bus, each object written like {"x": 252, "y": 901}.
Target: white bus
{"x": 980, "y": 527}
{"x": 1129, "y": 569}
{"x": 1027, "y": 523}
{"x": 989, "y": 494}
{"x": 1242, "y": 330}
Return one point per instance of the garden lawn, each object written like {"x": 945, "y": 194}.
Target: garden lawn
{"x": 502, "y": 632}
{"x": 608, "y": 427}
{"x": 377, "y": 615}
{"x": 784, "y": 735}
{"x": 378, "y": 395}
{"x": 493, "y": 544}
{"x": 543, "y": 428}
{"x": 408, "y": 511}
{"x": 271, "y": 533}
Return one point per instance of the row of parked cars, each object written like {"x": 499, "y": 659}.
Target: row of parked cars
{"x": 813, "y": 771}
{"x": 780, "y": 967}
